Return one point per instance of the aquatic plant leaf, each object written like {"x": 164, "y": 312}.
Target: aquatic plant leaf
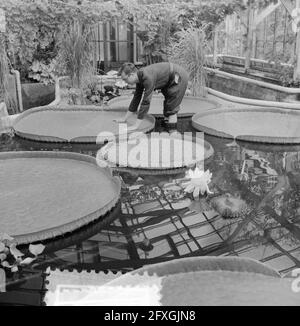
{"x": 27, "y": 261}
{"x": 14, "y": 269}
{"x": 5, "y": 264}
{"x": 15, "y": 252}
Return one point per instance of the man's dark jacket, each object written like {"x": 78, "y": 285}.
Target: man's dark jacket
{"x": 159, "y": 76}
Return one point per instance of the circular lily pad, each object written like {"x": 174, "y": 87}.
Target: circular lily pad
{"x": 267, "y": 125}
{"x": 190, "y": 105}
{"x": 73, "y": 124}
{"x": 48, "y": 194}
{"x": 156, "y": 152}
{"x": 229, "y": 206}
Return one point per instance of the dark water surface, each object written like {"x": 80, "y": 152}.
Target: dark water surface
{"x": 159, "y": 221}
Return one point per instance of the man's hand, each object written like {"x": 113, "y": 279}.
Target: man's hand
{"x": 120, "y": 120}
{"x": 125, "y": 118}
{"x": 135, "y": 126}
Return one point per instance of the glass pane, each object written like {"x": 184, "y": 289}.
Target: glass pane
{"x": 112, "y": 52}
{"x": 123, "y": 55}
{"x": 122, "y": 32}
{"x": 112, "y": 30}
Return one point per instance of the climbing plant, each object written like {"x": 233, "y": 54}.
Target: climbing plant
{"x": 34, "y": 27}
{"x": 157, "y": 22}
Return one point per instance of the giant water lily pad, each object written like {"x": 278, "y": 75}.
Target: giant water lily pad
{"x": 47, "y": 194}
{"x": 156, "y": 152}
{"x": 269, "y": 125}
{"x": 73, "y": 124}
{"x": 190, "y": 105}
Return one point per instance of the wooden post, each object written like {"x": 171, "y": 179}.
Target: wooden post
{"x": 215, "y": 54}
{"x": 297, "y": 54}
{"x": 105, "y": 45}
{"x": 254, "y": 37}
{"x": 249, "y": 37}
{"x": 274, "y": 37}
{"x": 134, "y": 43}
{"x": 226, "y": 35}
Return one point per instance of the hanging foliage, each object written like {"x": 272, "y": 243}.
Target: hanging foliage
{"x": 34, "y": 26}
{"x": 157, "y": 22}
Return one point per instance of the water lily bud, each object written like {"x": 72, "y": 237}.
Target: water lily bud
{"x": 36, "y": 249}
{"x": 14, "y": 269}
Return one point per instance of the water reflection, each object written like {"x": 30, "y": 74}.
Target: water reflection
{"x": 159, "y": 221}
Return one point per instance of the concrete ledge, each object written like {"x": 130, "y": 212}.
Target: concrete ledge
{"x": 247, "y": 101}
{"x": 288, "y": 90}
{"x": 37, "y": 94}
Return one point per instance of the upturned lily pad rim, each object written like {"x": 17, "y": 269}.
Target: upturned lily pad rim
{"x": 160, "y": 115}
{"x": 199, "y": 264}
{"x": 74, "y": 225}
{"x": 196, "y": 123}
{"x": 72, "y": 108}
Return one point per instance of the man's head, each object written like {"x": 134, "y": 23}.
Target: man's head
{"x": 128, "y": 73}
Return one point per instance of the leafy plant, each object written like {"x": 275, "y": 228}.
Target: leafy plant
{"x": 189, "y": 50}
{"x": 74, "y": 57}
{"x": 282, "y": 72}
{"x": 12, "y": 259}
{"x": 34, "y": 26}
{"x": 93, "y": 91}
{"x": 43, "y": 73}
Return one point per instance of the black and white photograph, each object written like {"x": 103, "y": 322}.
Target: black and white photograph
{"x": 149, "y": 155}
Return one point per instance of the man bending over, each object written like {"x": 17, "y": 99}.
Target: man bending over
{"x": 170, "y": 78}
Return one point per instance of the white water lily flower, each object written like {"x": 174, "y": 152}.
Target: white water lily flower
{"x": 36, "y": 249}
{"x": 198, "y": 183}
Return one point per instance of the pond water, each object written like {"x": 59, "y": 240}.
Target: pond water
{"x": 159, "y": 221}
